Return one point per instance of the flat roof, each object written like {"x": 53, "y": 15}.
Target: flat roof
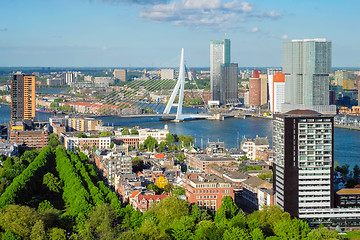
{"x": 347, "y": 191}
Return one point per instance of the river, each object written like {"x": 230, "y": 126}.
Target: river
{"x": 346, "y": 144}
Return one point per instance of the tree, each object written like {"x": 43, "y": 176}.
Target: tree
{"x": 169, "y": 139}
{"x": 102, "y": 220}
{"x": 293, "y": 229}
{"x": 44, "y": 205}
{"x": 54, "y": 140}
{"x": 125, "y": 131}
{"x": 57, "y": 234}
{"x": 52, "y": 182}
{"x": 207, "y": 229}
{"x": 167, "y": 211}
{"x": 38, "y": 231}
{"x": 162, "y": 146}
{"x": 156, "y": 189}
{"x": 150, "y": 143}
{"x": 177, "y": 191}
{"x": 19, "y": 220}
{"x": 81, "y": 135}
{"x": 356, "y": 171}
{"x": 8, "y": 235}
{"x": 134, "y": 132}
{"x": 112, "y": 145}
{"x": 183, "y": 228}
{"x": 53, "y": 105}
{"x": 351, "y": 182}
{"x": 266, "y": 175}
{"x": 227, "y": 209}
{"x": 106, "y": 134}
{"x": 322, "y": 233}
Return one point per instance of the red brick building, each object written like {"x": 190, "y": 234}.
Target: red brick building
{"x": 144, "y": 202}
{"x": 254, "y": 91}
{"x": 207, "y": 190}
{"x": 132, "y": 140}
{"x": 31, "y": 139}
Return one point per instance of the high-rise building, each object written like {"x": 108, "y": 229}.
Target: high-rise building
{"x": 168, "y": 74}
{"x": 303, "y": 162}
{"x": 258, "y": 91}
{"x": 307, "y": 65}
{"x": 219, "y": 54}
{"x": 22, "y": 97}
{"x": 340, "y": 76}
{"x": 264, "y": 89}
{"x": 120, "y": 74}
{"x": 254, "y": 92}
{"x": 229, "y": 84}
{"x": 69, "y": 78}
{"x": 270, "y": 74}
{"x": 278, "y": 91}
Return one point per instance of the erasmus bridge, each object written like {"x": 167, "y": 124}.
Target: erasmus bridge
{"x": 139, "y": 95}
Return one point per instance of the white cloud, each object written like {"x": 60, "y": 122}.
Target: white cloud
{"x": 255, "y": 29}
{"x": 201, "y": 4}
{"x": 210, "y": 14}
{"x": 284, "y": 36}
{"x": 213, "y": 14}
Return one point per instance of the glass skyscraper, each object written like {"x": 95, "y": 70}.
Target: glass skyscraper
{"x": 307, "y": 65}
{"x": 219, "y": 55}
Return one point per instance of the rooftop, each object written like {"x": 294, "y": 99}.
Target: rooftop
{"x": 303, "y": 112}
{"x": 347, "y": 191}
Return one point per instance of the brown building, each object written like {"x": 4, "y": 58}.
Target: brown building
{"x": 207, "y": 190}
{"x": 120, "y": 74}
{"x": 30, "y": 139}
{"x": 348, "y": 198}
{"x": 22, "y": 97}
{"x": 258, "y": 90}
{"x": 254, "y": 91}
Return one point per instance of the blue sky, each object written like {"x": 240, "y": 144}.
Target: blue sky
{"x": 151, "y": 33}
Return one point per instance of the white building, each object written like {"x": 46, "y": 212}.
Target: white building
{"x": 158, "y": 134}
{"x": 71, "y": 142}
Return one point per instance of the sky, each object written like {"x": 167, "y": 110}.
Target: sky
{"x": 151, "y": 33}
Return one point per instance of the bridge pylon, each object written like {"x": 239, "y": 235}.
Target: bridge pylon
{"x": 179, "y": 87}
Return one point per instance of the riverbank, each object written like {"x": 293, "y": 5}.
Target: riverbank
{"x": 347, "y": 127}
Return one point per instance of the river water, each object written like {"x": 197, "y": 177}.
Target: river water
{"x": 347, "y": 142}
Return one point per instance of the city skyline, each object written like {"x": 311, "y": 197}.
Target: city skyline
{"x": 129, "y": 33}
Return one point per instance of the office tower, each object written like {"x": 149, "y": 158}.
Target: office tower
{"x": 219, "y": 54}
{"x": 120, "y": 74}
{"x": 307, "y": 64}
{"x": 69, "y": 76}
{"x": 22, "y": 97}
{"x": 229, "y": 84}
{"x": 167, "y": 74}
{"x": 254, "y": 92}
{"x": 303, "y": 162}
{"x": 271, "y": 72}
{"x": 264, "y": 89}
{"x": 340, "y": 76}
{"x": 278, "y": 91}
{"x": 258, "y": 91}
